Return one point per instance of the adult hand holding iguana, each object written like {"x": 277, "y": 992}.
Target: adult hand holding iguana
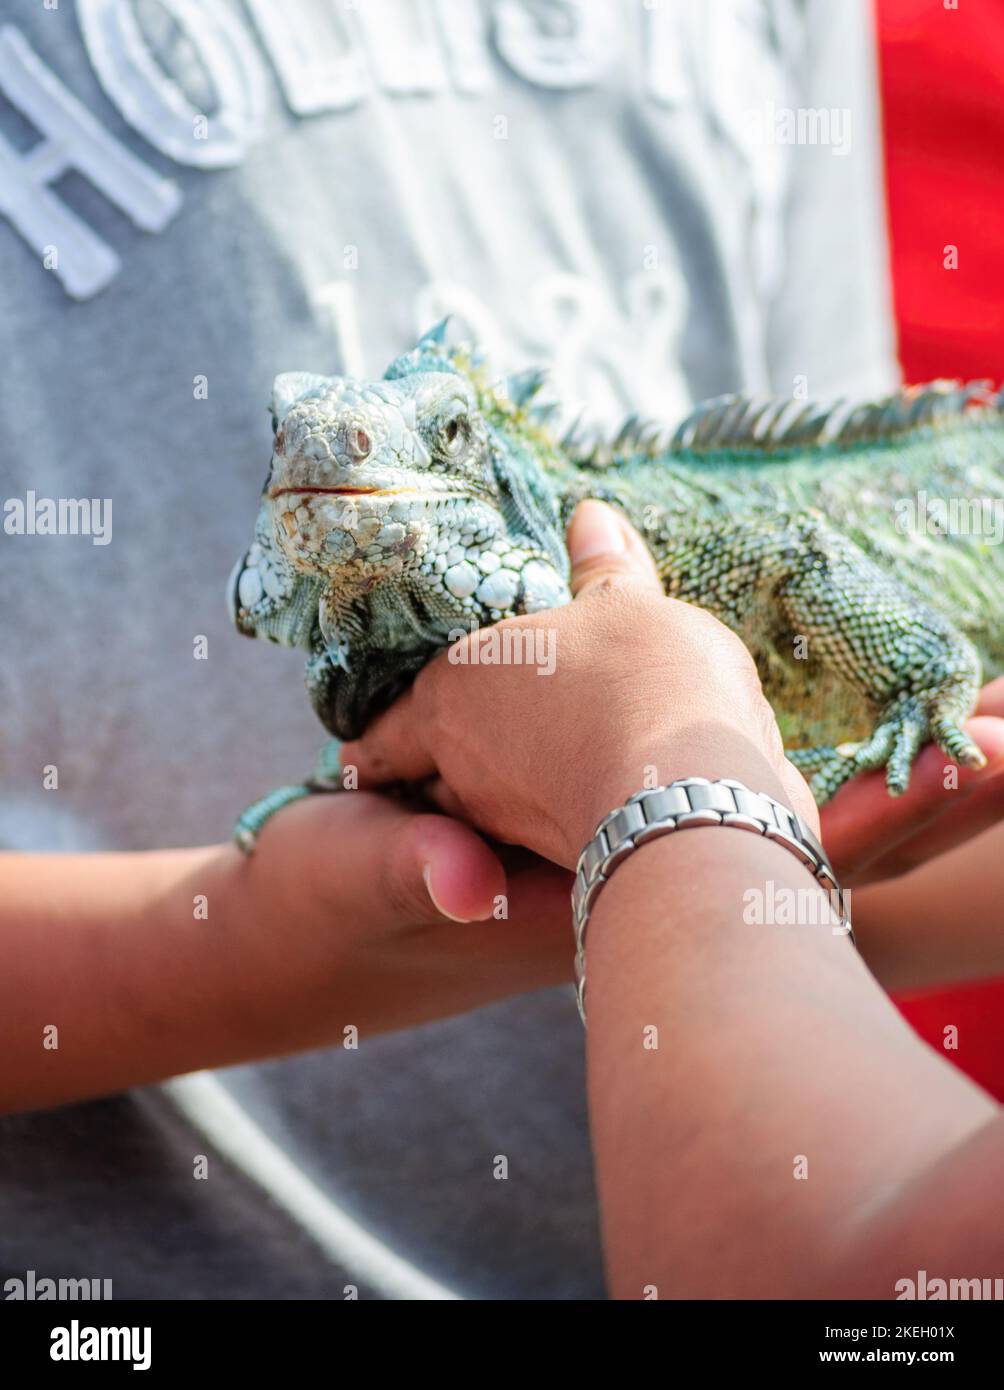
{"x": 644, "y": 688}
{"x": 645, "y": 685}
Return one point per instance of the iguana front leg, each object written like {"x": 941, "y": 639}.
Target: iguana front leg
{"x": 325, "y": 670}
{"x": 920, "y": 675}
{"x": 342, "y": 674}
{"x": 327, "y": 778}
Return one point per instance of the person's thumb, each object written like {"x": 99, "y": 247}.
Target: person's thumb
{"x": 602, "y": 545}
{"x": 436, "y": 867}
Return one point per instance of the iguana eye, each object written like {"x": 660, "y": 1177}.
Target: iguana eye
{"x": 275, "y": 421}
{"x": 455, "y": 434}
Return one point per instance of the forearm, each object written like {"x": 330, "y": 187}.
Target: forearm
{"x": 772, "y": 1042}
{"x": 354, "y": 912}
{"x": 939, "y": 924}
{"x": 121, "y": 969}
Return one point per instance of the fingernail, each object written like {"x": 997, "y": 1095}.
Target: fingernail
{"x": 595, "y": 531}
{"x": 427, "y": 877}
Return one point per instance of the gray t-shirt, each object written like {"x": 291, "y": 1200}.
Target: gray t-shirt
{"x": 663, "y": 201}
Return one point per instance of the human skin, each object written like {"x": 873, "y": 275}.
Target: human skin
{"x": 330, "y": 924}
{"x": 788, "y": 1136}
{"x": 905, "y": 858}
{"x": 875, "y": 838}
{"x": 931, "y": 863}
{"x": 764, "y": 1122}
{"x": 870, "y": 836}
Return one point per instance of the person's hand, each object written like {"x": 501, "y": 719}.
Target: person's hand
{"x": 644, "y": 689}
{"x": 354, "y": 916}
{"x": 373, "y": 914}
{"x": 871, "y": 836}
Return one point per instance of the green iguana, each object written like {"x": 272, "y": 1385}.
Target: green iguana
{"x": 856, "y": 549}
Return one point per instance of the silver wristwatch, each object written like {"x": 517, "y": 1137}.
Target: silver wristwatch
{"x": 691, "y": 801}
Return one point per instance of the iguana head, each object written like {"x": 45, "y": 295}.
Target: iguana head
{"x": 395, "y": 513}
{"x": 366, "y": 476}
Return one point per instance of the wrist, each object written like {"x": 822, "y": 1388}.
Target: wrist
{"x": 712, "y": 750}
{"x": 689, "y": 803}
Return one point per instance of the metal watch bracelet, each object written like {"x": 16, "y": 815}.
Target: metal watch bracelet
{"x": 686, "y": 803}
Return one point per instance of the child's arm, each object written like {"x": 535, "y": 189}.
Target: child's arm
{"x": 121, "y": 969}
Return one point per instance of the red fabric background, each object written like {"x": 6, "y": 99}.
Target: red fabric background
{"x": 943, "y": 91}
{"x": 942, "y": 74}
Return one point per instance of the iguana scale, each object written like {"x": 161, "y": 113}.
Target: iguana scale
{"x": 399, "y": 512}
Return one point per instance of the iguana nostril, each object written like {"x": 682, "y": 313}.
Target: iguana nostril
{"x": 360, "y": 443}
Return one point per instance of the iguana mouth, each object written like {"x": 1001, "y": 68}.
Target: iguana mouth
{"x": 340, "y": 491}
